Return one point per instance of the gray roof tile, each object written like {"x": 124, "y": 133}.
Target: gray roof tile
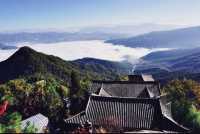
{"x": 125, "y": 88}
{"x": 126, "y": 113}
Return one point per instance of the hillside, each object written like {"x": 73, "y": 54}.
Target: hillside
{"x": 171, "y": 64}
{"x": 170, "y": 54}
{"x": 179, "y": 38}
{"x": 174, "y": 59}
{"x": 101, "y": 66}
{"x": 26, "y": 62}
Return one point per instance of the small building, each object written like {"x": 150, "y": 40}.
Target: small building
{"x": 39, "y": 121}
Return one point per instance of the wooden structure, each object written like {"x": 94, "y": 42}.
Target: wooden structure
{"x": 127, "y": 106}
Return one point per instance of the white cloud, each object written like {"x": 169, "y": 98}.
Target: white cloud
{"x": 80, "y": 49}
{"x": 4, "y": 54}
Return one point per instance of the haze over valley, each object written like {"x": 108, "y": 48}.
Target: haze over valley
{"x": 81, "y": 49}
{"x": 101, "y": 44}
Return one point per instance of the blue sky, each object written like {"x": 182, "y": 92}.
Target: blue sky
{"x": 61, "y": 14}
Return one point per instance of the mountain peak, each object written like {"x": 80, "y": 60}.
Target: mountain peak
{"x": 28, "y": 62}
{"x": 25, "y": 49}
{"x": 24, "y": 52}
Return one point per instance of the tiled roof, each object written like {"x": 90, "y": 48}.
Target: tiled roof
{"x": 78, "y": 118}
{"x": 125, "y": 88}
{"x": 128, "y": 105}
{"x": 120, "y": 112}
{"x": 145, "y": 94}
{"x": 165, "y": 106}
{"x": 169, "y": 125}
{"x": 126, "y": 113}
{"x": 141, "y": 78}
{"x": 39, "y": 121}
{"x": 123, "y": 112}
{"x": 102, "y": 92}
{"x": 147, "y": 78}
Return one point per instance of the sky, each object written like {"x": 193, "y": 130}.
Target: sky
{"x": 63, "y": 14}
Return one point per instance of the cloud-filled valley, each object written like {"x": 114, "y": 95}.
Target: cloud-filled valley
{"x": 80, "y": 49}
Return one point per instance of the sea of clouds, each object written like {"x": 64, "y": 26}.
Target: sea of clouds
{"x": 80, "y": 49}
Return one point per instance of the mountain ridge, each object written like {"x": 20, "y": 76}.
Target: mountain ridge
{"x": 178, "y": 38}
{"x": 54, "y": 37}
{"x": 27, "y": 61}
{"x": 172, "y": 64}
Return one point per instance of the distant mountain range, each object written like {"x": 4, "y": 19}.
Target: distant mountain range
{"x": 6, "y": 47}
{"x": 179, "y": 38}
{"x": 178, "y": 63}
{"x": 129, "y": 30}
{"x": 52, "y": 37}
{"x": 164, "y": 66}
{"x": 26, "y": 62}
{"x": 88, "y": 33}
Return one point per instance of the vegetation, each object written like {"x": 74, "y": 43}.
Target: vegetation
{"x": 39, "y": 94}
{"x": 37, "y": 83}
{"x": 27, "y": 62}
{"x": 31, "y": 99}
{"x": 10, "y": 122}
{"x": 185, "y": 96}
{"x": 79, "y": 93}
{"x": 45, "y": 95}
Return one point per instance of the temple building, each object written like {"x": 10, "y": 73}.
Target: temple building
{"x": 134, "y": 106}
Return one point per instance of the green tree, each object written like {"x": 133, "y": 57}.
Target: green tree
{"x": 75, "y": 83}
{"x": 29, "y": 98}
{"x": 11, "y": 123}
{"x": 185, "y": 102}
{"x": 30, "y": 128}
{"x": 63, "y": 91}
